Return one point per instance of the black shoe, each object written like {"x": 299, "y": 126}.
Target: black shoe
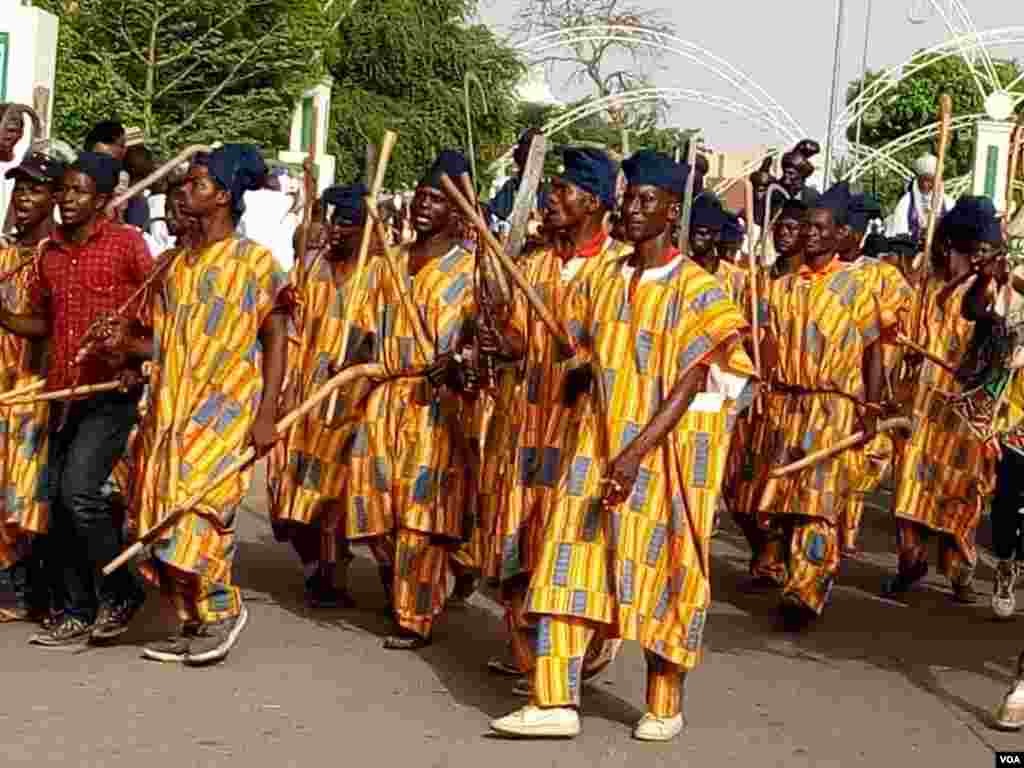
{"x": 72, "y": 633}
{"x": 113, "y": 619}
{"x": 964, "y": 594}
{"x": 904, "y": 581}
{"x": 405, "y": 641}
{"x": 796, "y": 617}
{"x": 212, "y": 642}
{"x": 323, "y": 596}
{"x": 387, "y": 580}
{"x": 172, "y": 649}
{"x": 465, "y": 588}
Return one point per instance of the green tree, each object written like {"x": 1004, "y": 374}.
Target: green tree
{"x": 400, "y": 65}
{"x": 186, "y": 70}
{"x": 913, "y": 104}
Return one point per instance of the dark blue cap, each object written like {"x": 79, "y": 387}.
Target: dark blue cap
{"x": 732, "y": 230}
{"x": 707, "y": 212}
{"x": 349, "y": 203}
{"x": 238, "y": 168}
{"x": 451, "y": 162}
{"x": 862, "y": 209}
{"x": 593, "y": 171}
{"x": 973, "y": 218}
{"x": 102, "y": 169}
{"x": 837, "y": 200}
{"x": 650, "y": 168}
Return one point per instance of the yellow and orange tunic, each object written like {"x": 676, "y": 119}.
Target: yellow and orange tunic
{"x": 641, "y": 568}
{"x": 945, "y": 472}
{"x": 23, "y": 428}
{"x": 205, "y": 392}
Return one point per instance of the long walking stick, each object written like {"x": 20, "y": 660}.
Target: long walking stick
{"x": 517, "y": 276}
{"x": 370, "y": 370}
{"x": 691, "y": 179}
{"x": 853, "y": 441}
{"x": 384, "y": 157}
{"x": 309, "y": 187}
{"x": 163, "y": 171}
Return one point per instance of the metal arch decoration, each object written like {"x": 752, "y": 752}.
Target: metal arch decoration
{"x": 672, "y": 95}
{"x": 669, "y": 43}
{"x": 907, "y": 140}
{"x": 871, "y": 155}
{"x": 952, "y": 47}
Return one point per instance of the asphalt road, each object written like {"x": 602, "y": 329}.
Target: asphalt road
{"x": 877, "y": 683}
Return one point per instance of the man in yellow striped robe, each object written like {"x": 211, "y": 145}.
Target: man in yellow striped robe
{"x": 945, "y": 471}
{"x": 893, "y": 299}
{"x": 24, "y": 430}
{"x": 308, "y": 487}
{"x": 409, "y": 455}
{"x": 825, "y": 386}
{"x": 218, "y": 347}
{"x": 547, "y": 423}
{"x": 625, "y": 546}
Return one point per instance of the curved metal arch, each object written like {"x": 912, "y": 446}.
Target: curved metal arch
{"x": 907, "y": 140}
{"x": 892, "y": 76}
{"x": 871, "y": 155}
{"x": 672, "y": 44}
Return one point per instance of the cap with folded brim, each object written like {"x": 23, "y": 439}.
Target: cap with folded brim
{"x": 863, "y": 209}
{"x": 707, "y": 213}
{"x": 732, "y": 230}
{"x": 349, "y": 203}
{"x": 592, "y": 171}
{"x": 104, "y": 170}
{"x": 650, "y": 168}
{"x": 451, "y": 163}
{"x": 973, "y": 218}
{"x": 837, "y": 200}
{"x": 38, "y": 167}
{"x": 792, "y": 209}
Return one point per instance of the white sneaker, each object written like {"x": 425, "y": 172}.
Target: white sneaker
{"x": 1010, "y": 715}
{"x": 538, "y": 722}
{"x": 653, "y": 728}
{"x": 1004, "y": 599}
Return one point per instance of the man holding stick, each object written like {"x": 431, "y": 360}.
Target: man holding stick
{"x": 88, "y": 269}
{"x": 408, "y": 478}
{"x": 625, "y": 544}
{"x": 25, "y": 438}
{"x": 218, "y": 347}
{"x": 309, "y": 490}
{"x": 549, "y": 403}
{"x": 945, "y": 471}
{"x": 827, "y": 382}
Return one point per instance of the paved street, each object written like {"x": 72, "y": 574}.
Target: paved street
{"x": 878, "y": 683}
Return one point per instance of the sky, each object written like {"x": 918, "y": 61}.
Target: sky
{"x": 787, "y": 47}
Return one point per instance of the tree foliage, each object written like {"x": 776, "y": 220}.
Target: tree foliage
{"x": 186, "y": 70}
{"x": 400, "y": 65}
{"x": 913, "y": 104}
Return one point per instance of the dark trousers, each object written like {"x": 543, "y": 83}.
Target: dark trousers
{"x": 85, "y": 527}
{"x": 1007, "y": 521}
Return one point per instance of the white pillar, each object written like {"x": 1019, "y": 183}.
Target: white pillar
{"x": 28, "y": 58}
{"x": 991, "y": 161}
{"x": 302, "y": 129}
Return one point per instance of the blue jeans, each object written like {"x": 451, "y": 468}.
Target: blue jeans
{"x": 86, "y": 530}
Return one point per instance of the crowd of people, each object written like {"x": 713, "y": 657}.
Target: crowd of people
{"x": 570, "y": 445}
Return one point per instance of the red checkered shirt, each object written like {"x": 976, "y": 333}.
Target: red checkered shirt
{"x": 76, "y": 283}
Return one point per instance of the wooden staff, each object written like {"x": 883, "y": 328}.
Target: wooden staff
{"x": 691, "y": 178}
{"x": 164, "y": 170}
{"x": 853, "y": 441}
{"x": 387, "y": 146}
{"x": 491, "y": 265}
{"x": 926, "y": 354}
{"x": 70, "y": 393}
{"x": 28, "y": 389}
{"x": 309, "y": 187}
{"x": 517, "y": 276}
{"x": 373, "y": 371}
{"x": 1016, "y": 145}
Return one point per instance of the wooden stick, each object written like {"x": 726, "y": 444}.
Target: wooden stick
{"x": 309, "y": 187}
{"x": 395, "y": 268}
{"x": 926, "y": 354}
{"x": 687, "y": 210}
{"x": 938, "y": 193}
{"x": 517, "y": 276}
{"x": 854, "y": 441}
{"x": 28, "y": 389}
{"x": 372, "y": 370}
{"x": 490, "y": 262}
{"x": 67, "y": 394}
{"x": 376, "y": 184}
{"x": 164, "y": 170}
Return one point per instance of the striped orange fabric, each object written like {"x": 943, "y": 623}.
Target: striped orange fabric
{"x": 944, "y": 472}
{"x": 406, "y": 467}
{"x": 638, "y": 566}
{"x": 545, "y": 424}
{"x": 312, "y": 464}
{"x": 206, "y": 388}
{"x": 24, "y": 433}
